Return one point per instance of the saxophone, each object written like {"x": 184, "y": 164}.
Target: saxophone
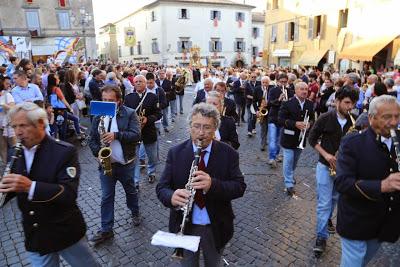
{"x": 352, "y": 129}
{"x": 7, "y": 170}
{"x": 105, "y": 151}
{"x": 263, "y": 111}
{"x": 178, "y": 254}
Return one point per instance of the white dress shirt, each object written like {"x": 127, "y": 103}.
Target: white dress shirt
{"x": 29, "y": 154}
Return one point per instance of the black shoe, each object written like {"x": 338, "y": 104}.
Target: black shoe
{"x": 142, "y": 164}
{"x": 262, "y": 149}
{"x": 100, "y": 237}
{"x": 320, "y": 245}
{"x": 152, "y": 178}
{"x": 181, "y": 112}
{"x": 166, "y": 130}
{"x": 290, "y": 191}
{"x": 136, "y": 219}
{"x": 331, "y": 227}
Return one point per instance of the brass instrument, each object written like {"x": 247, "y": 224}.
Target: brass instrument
{"x": 180, "y": 83}
{"x": 141, "y": 116}
{"x": 7, "y": 170}
{"x": 263, "y": 111}
{"x": 105, "y": 152}
{"x": 302, "y": 134}
{"x": 352, "y": 129}
{"x": 178, "y": 253}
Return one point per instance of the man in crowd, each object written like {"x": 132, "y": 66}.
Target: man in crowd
{"x": 122, "y": 133}
{"x": 25, "y": 91}
{"x": 292, "y": 118}
{"x": 368, "y": 182}
{"x": 46, "y": 193}
{"x": 325, "y": 137}
{"x": 146, "y": 106}
{"x": 96, "y": 83}
{"x": 260, "y": 101}
{"x": 239, "y": 94}
{"x": 217, "y": 182}
{"x": 166, "y": 85}
{"x": 251, "y": 86}
{"x": 202, "y": 93}
{"x": 229, "y": 107}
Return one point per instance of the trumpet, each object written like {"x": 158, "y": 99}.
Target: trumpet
{"x": 105, "y": 152}
{"x": 302, "y": 134}
{"x": 7, "y": 170}
{"x": 178, "y": 254}
{"x": 352, "y": 129}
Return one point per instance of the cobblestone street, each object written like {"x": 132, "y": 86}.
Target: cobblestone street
{"x": 271, "y": 229}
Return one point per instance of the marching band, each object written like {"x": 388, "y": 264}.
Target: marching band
{"x": 357, "y": 170}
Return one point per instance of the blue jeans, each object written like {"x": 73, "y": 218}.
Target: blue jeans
{"x": 327, "y": 197}
{"x": 357, "y": 253}
{"x": 78, "y": 255}
{"x": 290, "y": 159}
{"x": 151, "y": 152}
{"x": 173, "y": 108}
{"x": 123, "y": 174}
{"x": 180, "y": 103}
{"x": 274, "y": 136}
{"x": 165, "y": 117}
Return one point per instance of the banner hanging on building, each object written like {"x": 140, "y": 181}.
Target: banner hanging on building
{"x": 130, "y": 36}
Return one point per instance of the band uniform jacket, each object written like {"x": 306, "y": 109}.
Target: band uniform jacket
{"x": 239, "y": 92}
{"x": 227, "y": 184}
{"x": 364, "y": 212}
{"x": 200, "y": 97}
{"x": 168, "y": 89}
{"x": 52, "y": 220}
{"x": 230, "y": 109}
{"x": 128, "y": 133}
{"x": 274, "y": 103}
{"x": 151, "y": 111}
{"x": 227, "y": 130}
{"x": 289, "y": 113}
{"x": 250, "y": 88}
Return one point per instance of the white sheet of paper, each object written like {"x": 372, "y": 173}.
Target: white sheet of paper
{"x": 188, "y": 242}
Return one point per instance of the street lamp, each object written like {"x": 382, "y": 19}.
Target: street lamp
{"x": 83, "y": 19}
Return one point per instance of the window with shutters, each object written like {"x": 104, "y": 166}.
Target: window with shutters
{"x": 32, "y": 20}
{"x": 215, "y": 14}
{"x": 274, "y": 31}
{"x": 240, "y": 16}
{"x": 63, "y": 20}
{"x": 154, "y": 47}
{"x": 255, "y": 32}
{"x": 239, "y": 45}
{"x": 131, "y": 51}
{"x": 343, "y": 16}
{"x": 119, "y": 51}
{"x": 254, "y": 51}
{"x": 317, "y": 26}
{"x": 184, "y": 44}
{"x": 215, "y": 45}
{"x": 139, "y": 48}
{"x": 153, "y": 15}
{"x": 183, "y": 13}
{"x": 291, "y": 31}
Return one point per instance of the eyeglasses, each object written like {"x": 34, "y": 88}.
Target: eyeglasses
{"x": 205, "y": 127}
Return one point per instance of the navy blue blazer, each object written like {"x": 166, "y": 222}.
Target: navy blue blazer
{"x": 239, "y": 93}
{"x": 200, "y": 97}
{"x": 364, "y": 212}
{"x": 227, "y": 184}
{"x": 227, "y": 130}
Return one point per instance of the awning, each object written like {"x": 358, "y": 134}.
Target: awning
{"x": 281, "y": 53}
{"x": 311, "y": 57}
{"x": 397, "y": 58}
{"x": 365, "y": 50}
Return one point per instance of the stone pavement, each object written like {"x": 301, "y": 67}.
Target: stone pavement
{"x": 271, "y": 229}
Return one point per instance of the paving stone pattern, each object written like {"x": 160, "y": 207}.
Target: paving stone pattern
{"x": 271, "y": 229}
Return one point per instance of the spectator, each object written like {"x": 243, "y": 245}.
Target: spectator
{"x": 25, "y": 91}
{"x": 7, "y": 135}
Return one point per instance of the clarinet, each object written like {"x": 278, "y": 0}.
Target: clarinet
{"x": 395, "y": 141}
{"x": 7, "y": 170}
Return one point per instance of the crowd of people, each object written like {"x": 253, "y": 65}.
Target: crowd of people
{"x": 347, "y": 118}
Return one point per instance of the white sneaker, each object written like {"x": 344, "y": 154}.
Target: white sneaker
{"x": 254, "y": 131}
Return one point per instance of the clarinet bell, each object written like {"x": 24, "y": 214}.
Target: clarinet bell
{"x": 178, "y": 254}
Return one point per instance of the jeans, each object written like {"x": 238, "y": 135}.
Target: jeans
{"x": 165, "y": 117}
{"x": 274, "y": 135}
{"x": 151, "y": 152}
{"x": 123, "y": 174}
{"x": 290, "y": 159}
{"x": 357, "y": 253}
{"x": 327, "y": 197}
{"x": 251, "y": 120}
{"x": 180, "y": 103}
{"x": 263, "y": 133}
{"x": 75, "y": 119}
{"x": 173, "y": 108}
{"x": 77, "y": 255}
{"x": 62, "y": 125}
